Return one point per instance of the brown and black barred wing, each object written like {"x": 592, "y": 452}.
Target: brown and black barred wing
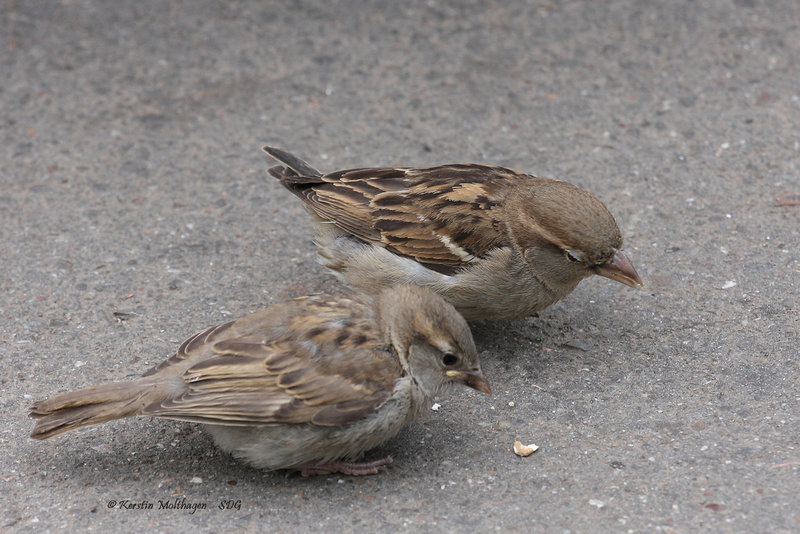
{"x": 329, "y": 367}
{"x": 443, "y": 217}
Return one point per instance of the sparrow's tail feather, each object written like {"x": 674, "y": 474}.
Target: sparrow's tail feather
{"x": 292, "y": 164}
{"x": 90, "y": 406}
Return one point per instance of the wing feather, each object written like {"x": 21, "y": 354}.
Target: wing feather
{"x": 330, "y": 367}
{"x": 443, "y": 217}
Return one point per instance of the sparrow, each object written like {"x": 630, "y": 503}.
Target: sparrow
{"x": 494, "y": 242}
{"x": 309, "y": 384}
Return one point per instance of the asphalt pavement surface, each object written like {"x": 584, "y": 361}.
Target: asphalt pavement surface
{"x": 135, "y": 210}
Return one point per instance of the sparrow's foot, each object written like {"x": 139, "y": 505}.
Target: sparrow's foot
{"x": 345, "y": 467}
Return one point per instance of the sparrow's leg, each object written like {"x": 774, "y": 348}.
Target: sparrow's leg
{"x": 345, "y": 467}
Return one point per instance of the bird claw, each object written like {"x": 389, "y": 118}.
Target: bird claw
{"x": 345, "y": 467}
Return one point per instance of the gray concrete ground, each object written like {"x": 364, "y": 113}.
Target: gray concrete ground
{"x": 136, "y": 209}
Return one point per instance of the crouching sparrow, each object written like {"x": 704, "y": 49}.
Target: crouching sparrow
{"x": 309, "y": 384}
{"x": 494, "y": 242}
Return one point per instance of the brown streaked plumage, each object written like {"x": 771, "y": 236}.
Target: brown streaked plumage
{"x": 495, "y": 242}
{"x": 308, "y": 384}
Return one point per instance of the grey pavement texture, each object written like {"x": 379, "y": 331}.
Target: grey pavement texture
{"x": 136, "y": 210}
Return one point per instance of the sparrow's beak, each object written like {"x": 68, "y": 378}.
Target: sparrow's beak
{"x": 620, "y": 268}
{"x": 473, "y": 379}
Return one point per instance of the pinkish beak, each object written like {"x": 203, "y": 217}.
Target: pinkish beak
{"x": 620, "y": 268}
{"x": 473, "y": 378}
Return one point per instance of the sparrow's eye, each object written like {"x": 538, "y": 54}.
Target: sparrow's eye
{"x": 573, "y": 256}
{"x": 449, "y": 359}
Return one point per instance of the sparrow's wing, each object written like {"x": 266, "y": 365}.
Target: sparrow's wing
{"x": 443, "y": 217}
{"x": 192, "y": 347}
{"x": 328, "y": 367}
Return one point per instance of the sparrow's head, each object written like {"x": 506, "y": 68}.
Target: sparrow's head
{"x": 567, "y": 234}
{"x": 431, "y": 339}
